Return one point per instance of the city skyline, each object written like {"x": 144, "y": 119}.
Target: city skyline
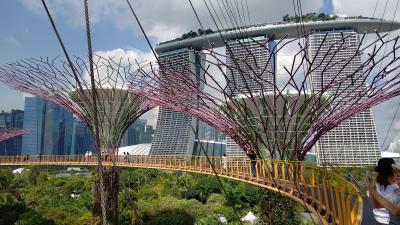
{"x": 63, "y": 132}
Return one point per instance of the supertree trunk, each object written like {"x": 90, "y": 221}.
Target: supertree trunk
{"x": 110, "y": 180}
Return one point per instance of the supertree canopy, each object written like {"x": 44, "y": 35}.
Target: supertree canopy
{"x": 10, "y": 132}
{"x": 278, "y": 109}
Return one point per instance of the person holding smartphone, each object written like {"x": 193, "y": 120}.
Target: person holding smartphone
{"x": 384, "y": 193}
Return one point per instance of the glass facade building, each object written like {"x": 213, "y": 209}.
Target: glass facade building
{"x": 50, "y": 128}
{"x": 82, "y": 140}
{"x": 138, "y": 133}
{"x": 13, "y": 145}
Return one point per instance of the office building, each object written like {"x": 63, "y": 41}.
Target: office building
{"x": 138, "y": 133}
{"x": 82, "y": 140}
{"x": 50, "y": 128}
{"x": 15, "y": 119}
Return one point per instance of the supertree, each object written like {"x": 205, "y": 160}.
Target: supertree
{"x": 10, "y": 132}
{"x": 278, "y": 113}
{"x": 94, "y": 90}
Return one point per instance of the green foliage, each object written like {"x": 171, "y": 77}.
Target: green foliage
{"x": 10, "y": 209}
{"x": 308, "y": 17}
{"x": 33, "y": 175}
{"x": 5, "y": 179}
{"x": 176, "y": 217}
{"x": 136, "y": 179}
{"x": 193, "y": 34}
{"x": 33, "y": 218}
{"x": 279, "y": 210}
{"x": 145, "y": 197}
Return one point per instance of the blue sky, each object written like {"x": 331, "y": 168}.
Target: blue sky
{"x": 26, "y": 31}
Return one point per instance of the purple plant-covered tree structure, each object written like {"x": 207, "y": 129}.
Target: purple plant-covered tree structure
{"x": 10, "y": 132}
{"x": 278, "y": 111}
{"x": 70, "y": 87}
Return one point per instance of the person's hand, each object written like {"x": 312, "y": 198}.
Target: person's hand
{"x": 370, "y": 183}
{"x": 397, "y": 176}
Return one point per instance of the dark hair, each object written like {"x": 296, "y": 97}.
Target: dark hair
{"x": 385, "y": 171}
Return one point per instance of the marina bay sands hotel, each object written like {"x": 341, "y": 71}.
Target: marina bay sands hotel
{"x": 354, "y": 142}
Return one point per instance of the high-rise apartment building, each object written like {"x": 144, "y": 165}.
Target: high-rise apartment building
{"x": 353, "y": 142}
{"x": 245, "y": 68}
{"x": 50, "y": 128}
{"x": 174, "y": 131}
{"x": 251, "y": 62}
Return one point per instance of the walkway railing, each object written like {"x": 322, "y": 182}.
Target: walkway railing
{"x": 329, "y": 196}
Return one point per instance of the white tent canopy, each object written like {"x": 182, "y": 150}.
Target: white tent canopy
{"x": 140, "y": 149}
{"x": 250, "y": 217}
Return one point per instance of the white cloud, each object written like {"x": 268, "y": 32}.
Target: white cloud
{"x": 163, "y": 32}
{"x": 10, "y": 41}
{"x": 126, "y": 55}
{"x": 131, "y": 54}
{"x": 117, "y": 59}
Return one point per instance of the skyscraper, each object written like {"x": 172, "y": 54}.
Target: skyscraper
{"x": 353, "y": 142}
{"x": 5, "y": 119}
{"x": 14, "y": 119}
{"x": 82, "y": 140}
{"x": 17, "y": 120}
{"x": 207, "y": 132}
{"x": 50, "y": 128}
{"x": 138, "y": 133}
{"x": 259, "y": 64}
{"x": 174, "y": 134}
{"x": 242, "y": 82}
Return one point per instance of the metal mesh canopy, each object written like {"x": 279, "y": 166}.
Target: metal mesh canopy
{"x": 278, "y": 110}
{"x": 10, "y": 132}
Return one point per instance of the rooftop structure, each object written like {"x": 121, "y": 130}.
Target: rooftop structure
{"x": 279, "y": 30}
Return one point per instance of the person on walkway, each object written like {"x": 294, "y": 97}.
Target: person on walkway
{"x": 125, "y": 157}
{"x": 90, "y": 156}
{"x": 253, "y": 161}
{"x": 225, "y": 162}
{"x": 384, "y": 193}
